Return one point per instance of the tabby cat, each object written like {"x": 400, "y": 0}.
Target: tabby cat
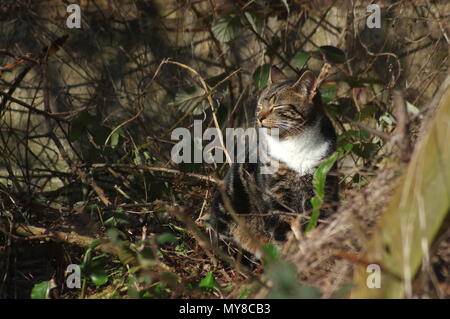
{"x": 251, "y": 210}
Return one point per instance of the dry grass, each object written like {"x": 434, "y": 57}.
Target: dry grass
{"x": 119, "y": 73}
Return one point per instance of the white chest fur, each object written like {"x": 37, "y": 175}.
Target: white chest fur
{"x": 302, "y": 152}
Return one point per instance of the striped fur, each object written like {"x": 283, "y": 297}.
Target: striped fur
{"x": 256, "y": 209}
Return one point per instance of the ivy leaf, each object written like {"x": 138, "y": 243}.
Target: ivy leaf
{"x": 250, "y": 20}
{"x": 191, "y": 100}
{"x": 255, "y": 20}
{"x": 331, "y": 54}
{"x": 225, "y": 29}
{"x": 261, "y": 76}
{"x": 301, "y": 59}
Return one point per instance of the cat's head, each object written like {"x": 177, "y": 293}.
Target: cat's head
{"x": 290, "y": 106}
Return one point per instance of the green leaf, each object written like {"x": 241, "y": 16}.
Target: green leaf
{"x": 40, "y": 290}
{"x": 208, "y": 282}
{"x": 166, "y": 238}
{"x": 316, "y": 202}
{"x": 191, "y": 100}
{"x": 114, "y": 235}
{"x": 88, "y": 253}
{"x": 331, "y": 54}
{"x": 358, "y": 135}
{"x": 271, "y": 254}
{"x": 301, "y": 59}
{"x": 118, "y": 218}
{"x": 328, "y": 93}
{"x": 261, "y": 76}
{"x": 98, "y": 276}
{"x": 285, "y": 283}
{"x": 95, "y": 243}
{"x": 319, "y": 179}
{"x": 245, "y": 293}
{"x": 367, "y": 111}
{"x": 345, "y": 149}
{"x": 114, "y": 140}
{"x": 99, "y": 261}
{"x": 225, "y": 29}
{"x": 254, "y": 20}
{"x": 366, "y": 150}
{"x": 146, "y": 258}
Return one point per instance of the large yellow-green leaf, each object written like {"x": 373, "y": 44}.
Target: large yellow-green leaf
{"x": 413, "y": 216}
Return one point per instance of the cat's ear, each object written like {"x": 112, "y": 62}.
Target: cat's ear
{"x": 306, "y": 84}
{"x": 276, "y": 76}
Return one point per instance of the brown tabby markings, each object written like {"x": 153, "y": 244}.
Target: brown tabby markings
{"x": 306, "y": 138}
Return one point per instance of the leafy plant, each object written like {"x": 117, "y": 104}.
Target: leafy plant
{"x": 117, "y": 219}
{"x": 301, "y": 59}
{"x": 166, "y": 238}
{"x": 270, "y": 254}
{"x": 42, "y": 289}
{"x": 226, "y": 28}
{"x": 208, "y": 282}
{"x": 331, "y": 54}
{"x": 86, "y": 122}
{"x": 319, "y": 180}
{"x": 328, "y": 93}
{"x": 283, "y": 276}
{"x": 261, "y": 76}
{"x": 93, "y": 268}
